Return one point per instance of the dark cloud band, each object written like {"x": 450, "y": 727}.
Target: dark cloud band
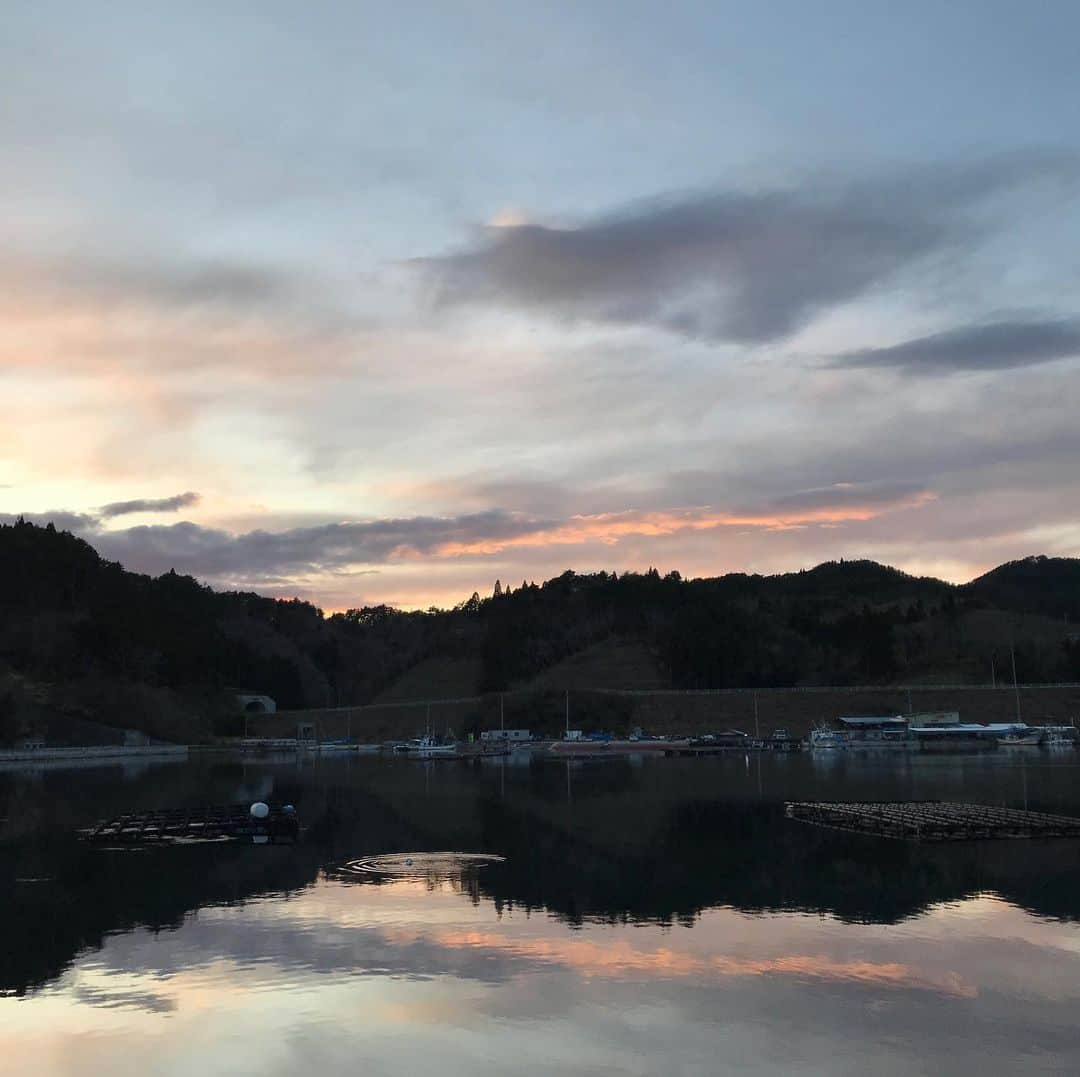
{"x": 733, "y": 266}
{"x": 161, "y": 504}
{"x": 997, "y": 346}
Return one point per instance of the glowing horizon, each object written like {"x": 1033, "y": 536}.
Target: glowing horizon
{"x": 403, "y": 344}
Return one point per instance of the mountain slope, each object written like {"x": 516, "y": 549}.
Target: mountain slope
{"x": 166, "y": 655}
{"x": 1046, "y": 585}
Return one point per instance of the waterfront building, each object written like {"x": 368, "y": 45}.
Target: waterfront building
{"x": 874, "y": 730}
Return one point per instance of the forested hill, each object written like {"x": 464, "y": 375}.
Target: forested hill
{"x": 82, "y": 634}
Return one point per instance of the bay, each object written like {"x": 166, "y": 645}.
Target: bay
{"x": 647, "y": 916}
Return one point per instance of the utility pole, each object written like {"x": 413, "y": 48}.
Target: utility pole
{"x": 757, "y": 728}
{"x": 1016, "y": 687}
{"x": 502, "y": 714}
{"x": 993, "y": 672}
{"x": 568, "y": 726}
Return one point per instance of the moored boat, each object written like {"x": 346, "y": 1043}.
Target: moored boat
{"x": 426, "y": 746}
{"x": 1021, "y": 738}
{"x": 825, "y": 739}
{"x": 588, "y": 746}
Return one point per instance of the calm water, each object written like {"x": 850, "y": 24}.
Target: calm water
{"x": 650, "y": 917}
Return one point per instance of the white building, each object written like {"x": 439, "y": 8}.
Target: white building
{"x": 514, "y": 735}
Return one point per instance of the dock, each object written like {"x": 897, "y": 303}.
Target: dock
{"x": 232, "y": 822}
{"x": 726, "y": 748}
{"x": 933, "y": 820}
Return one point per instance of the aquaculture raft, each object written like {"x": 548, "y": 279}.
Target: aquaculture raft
{"x": 933, "y": 820}
{"x": 232, "y": 822}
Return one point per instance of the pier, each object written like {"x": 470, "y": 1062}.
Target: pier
{"x": 933, "y": 820}
{"x": 779, "y": 744}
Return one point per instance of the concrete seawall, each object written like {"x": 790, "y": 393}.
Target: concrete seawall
{"x": 97, "y": 751}
{"x": 799, "y": 711}
{"x": 680, "y": 713}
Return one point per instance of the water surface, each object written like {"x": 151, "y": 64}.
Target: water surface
{"x": 649, "y": 916}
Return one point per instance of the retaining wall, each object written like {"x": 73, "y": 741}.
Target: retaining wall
{"x": 796, "y": 710}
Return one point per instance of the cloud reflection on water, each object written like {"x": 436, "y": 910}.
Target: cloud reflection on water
{"x": 399, "y": 974}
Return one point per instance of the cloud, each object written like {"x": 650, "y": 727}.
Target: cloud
{"x": 85, "y": 523}
{"x": 261, "y": 558}
{"x": 161, "y": 504}
{"x": 110, "y": 284}
{"x": 609, "y": 528}
{"x": 162, "y": 316}
{"x": 864, "y": 499}
{"x": 746, "y": 267}
{"x": 995, "y": 346}
{"x": 79, "y": 523}
{"x": 266, "y": 555}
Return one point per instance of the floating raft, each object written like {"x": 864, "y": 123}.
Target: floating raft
{"x": 933, "y": 820}
{"x": 233, "y": 822}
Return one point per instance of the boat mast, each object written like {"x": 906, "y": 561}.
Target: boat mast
{"x": 1016, "y": 687}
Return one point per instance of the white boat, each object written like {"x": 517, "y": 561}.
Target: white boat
{"x": 1059, "y": 736}
{"x": 1021, "y": 738}
{"x": 339, "y": 746}
{"x": 825, "y": 739}
{"x": 426, "y": 746}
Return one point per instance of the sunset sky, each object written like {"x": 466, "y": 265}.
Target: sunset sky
{"x": 382, "y": 302}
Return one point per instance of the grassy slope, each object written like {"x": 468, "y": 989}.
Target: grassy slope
{"x": 612, "y": 663}
{"x": 435, "y": 678}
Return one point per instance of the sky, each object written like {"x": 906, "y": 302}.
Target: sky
{"x": 384, "y": 302}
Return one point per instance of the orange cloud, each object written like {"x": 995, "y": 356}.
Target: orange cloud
{"x": 617, "y": 959}
{"x": 608, "y": 528}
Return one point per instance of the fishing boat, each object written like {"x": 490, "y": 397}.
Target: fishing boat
{"x": 426, "y": 746}
{"x": 1021, "y": 738}
{"x": 1059, "y": 736}
{"x": 825, "y": 739}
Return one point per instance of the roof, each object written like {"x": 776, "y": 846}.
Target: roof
{"x": 880, "y": 719}
{"x": 967, "y": 727}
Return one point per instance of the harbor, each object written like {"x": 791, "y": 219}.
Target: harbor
{"x": 923, "y": 731}
{"x": 937, "y": 731}
{"x": 606, "y": 867}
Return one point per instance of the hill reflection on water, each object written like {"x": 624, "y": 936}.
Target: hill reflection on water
{"x": 622, "y": 840}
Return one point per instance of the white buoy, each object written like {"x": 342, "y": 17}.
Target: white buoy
{"x": 259, "y": 810}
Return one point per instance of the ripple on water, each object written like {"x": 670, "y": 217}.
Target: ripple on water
{"x": 421, "y": 865}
